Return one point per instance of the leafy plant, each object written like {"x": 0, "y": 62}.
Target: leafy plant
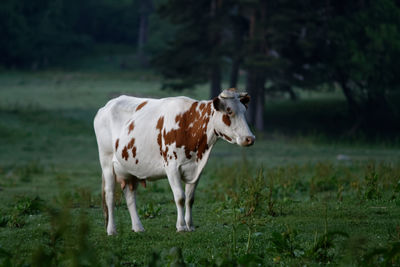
{"x": 388, "y": 255}
{"x": 150, "y": 211}
{"x": 26, "y": 172}
{"x": 372, "y": 188}
{"x": 5, "y": 258}
{"x": 286, "y": 244}
{"x": 28, "y": 206}
{"x": 323, "y": 248}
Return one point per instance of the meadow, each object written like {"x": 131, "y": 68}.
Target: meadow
{"x": 306, "y": 199}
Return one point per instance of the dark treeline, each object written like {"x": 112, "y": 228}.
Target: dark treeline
{"x": 279, "y": 44}
{"x": 40, "y": 33}
{"x": 303, "y": 44}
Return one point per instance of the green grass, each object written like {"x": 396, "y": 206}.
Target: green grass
{"x": 287, "y": 214}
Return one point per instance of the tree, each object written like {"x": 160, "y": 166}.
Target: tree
{"x": 365, "y": 46}
{"x": 146, "y": 7}
{"x": 195, "y": 54}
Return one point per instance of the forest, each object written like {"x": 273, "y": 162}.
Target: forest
{"x": 282, "y": 46}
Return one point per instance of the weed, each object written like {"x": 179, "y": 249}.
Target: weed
{"x": 26, "y": 172}
{"x": 84, "y": 197}
{"x": 67, "y": 244}
{"x": 286, "y": 243}
{"x": 23, "y": 206}
{"x": 252, "y": 194}
{"x": 339, "y": 195}
{"x": 396, "y": 191}
{"x": 14, "y": 220}
{"x": 28, "y": 206}
{"x": 371, "y": 179}
{"x": 323, "y": 250}
{"x": 149, "y": 211}
{"x": 5, "y": 258}
{"x": 388, "y": 255}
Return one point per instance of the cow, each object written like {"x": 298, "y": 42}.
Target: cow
{"x": 144, "y": 139}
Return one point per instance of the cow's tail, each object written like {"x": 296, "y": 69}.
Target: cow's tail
{"x": 103, "y": 197}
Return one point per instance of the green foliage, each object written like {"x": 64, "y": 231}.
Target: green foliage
{"x": 285, "y": 244}
{"x": 5, "y": 258}
{"x": 16, "y": 218}
{"x": 28, "y": 206}
{"x": 372, "y": 186}
{"x": 41, "y": 33}
{"x": 149, "y": 211}
{"x": 388, "y": 255}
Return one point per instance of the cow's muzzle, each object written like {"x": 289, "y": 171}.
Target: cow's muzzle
{"x": 248, "y": 140}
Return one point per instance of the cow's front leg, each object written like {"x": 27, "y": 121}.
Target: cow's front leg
{"x": 174, "y": 178}
{"x": 189, "y": 192}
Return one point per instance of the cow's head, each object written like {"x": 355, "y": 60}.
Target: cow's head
{"x": 230, "y": 123}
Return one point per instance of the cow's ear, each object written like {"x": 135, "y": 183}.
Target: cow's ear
{"x": 245, "y": 100}
{"x": 217, "y": 104}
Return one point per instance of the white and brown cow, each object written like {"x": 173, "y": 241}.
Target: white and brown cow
{"x": 143, "y": 139}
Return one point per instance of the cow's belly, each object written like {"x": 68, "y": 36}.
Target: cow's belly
{"x": 144, "y": 165}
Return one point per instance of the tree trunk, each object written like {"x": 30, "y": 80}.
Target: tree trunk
{"x": 354, "y": 107}
{"x": 215, "y": 42}
{"x": 259, "y": 123}
{"x": 146, "y": 7}
{"x": 255, "y": 86}
{"x": 215, "y": 80}
{"x": 239, "y": 31}
{"x": 234, "y": 73}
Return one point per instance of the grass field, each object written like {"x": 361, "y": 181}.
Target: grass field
{"x": 287, "y": 200}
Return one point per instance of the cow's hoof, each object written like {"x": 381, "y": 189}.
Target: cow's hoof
{"x": 190, "y": 228}
{"x": 138, "y": 228}
{"x": 182, "y": 229}
{"x": 112, "y": 232}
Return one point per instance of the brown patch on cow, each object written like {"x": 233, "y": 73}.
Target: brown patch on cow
{"x": 131, "y": 127}
{"x": 137, "y": 161}
{"x": 175, "y": 155}
{"x": 165, "y": 154}
{"x": 226, "y": 120}
{"x": 141, "y": 105}
{"x": 226, "y": 137}
{"x": 131, "y": 143}
{"x": 116, "y": 144}
{"x": 192, "y": 131}
{"x": 124, "y": 153}
{"x": 131, "y": 146}
{"x": 160, "y": 124}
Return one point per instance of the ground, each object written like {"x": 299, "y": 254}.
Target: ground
{"x": 287, "y": 200}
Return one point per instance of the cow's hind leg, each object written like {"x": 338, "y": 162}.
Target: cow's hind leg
{"x": 130, "y": 196}
{"x": 108, "y": 198}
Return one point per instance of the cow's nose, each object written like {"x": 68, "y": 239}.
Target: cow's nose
{"x": 250, "y": 140}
